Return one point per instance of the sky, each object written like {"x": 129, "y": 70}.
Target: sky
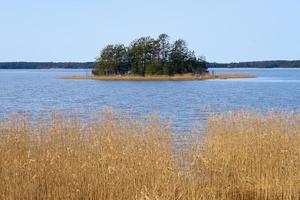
{"x": 221, "y": 30}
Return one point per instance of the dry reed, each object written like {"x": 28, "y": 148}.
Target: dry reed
{"x": 177, "y": 77}
{"x": 243, "y": 156}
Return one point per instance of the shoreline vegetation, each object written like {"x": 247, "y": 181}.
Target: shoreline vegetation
{"x": 179, "y": 77}
{"x": 241, "y": 156}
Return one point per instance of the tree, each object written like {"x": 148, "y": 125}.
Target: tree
{"x": 106, "y": 63}
{"x": 120, "y": 54}
{"x": 164, "y": 47}
{"x": 141, "y": 53}
{"x": 178, "y": 55}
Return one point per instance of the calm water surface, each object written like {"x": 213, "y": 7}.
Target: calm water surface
{"x": 33, "y": 91}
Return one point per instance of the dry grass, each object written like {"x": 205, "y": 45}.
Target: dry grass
{"x": 225, "y": 76}
{"x": 243, "y": 156}
{"x": 250, "y": 156}
{"x": 177, "y": 77}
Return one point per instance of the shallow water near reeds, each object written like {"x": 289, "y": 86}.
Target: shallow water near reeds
{"x": 186, "y": 102}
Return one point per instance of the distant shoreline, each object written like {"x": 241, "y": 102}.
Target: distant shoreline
{"x": 90, "y": 65}
{"x": 185, "y": 77}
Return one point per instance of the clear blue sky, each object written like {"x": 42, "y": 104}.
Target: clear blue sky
{"x": 76, "y": 30}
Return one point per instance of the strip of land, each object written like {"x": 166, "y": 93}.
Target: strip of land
{"x": 185, "y": 77}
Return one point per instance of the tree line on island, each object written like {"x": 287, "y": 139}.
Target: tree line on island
{"x": 149, "y": 56}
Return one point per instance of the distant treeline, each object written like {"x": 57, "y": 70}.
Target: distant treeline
{"x": 91, "y": 65}
{"x": 46, "y": 65}
{"x": 149, "y": 56}
{"x": 258, "y": 64}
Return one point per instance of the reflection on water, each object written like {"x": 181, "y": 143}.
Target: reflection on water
{"x": 184, "y": 101}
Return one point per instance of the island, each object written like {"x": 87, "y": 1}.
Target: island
{"x": 148, "y": 58}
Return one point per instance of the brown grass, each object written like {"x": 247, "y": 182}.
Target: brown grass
{"x": 250, "y": 156}
{"x": 243, "y": 156}
{"x": 177, "y": 77}
{"x": 226, "y": 76}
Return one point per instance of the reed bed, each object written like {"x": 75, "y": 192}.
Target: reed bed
{"x": 225, "y": 76}
{"x": 176, "y": 77}
{"x": 242, "y": 156}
